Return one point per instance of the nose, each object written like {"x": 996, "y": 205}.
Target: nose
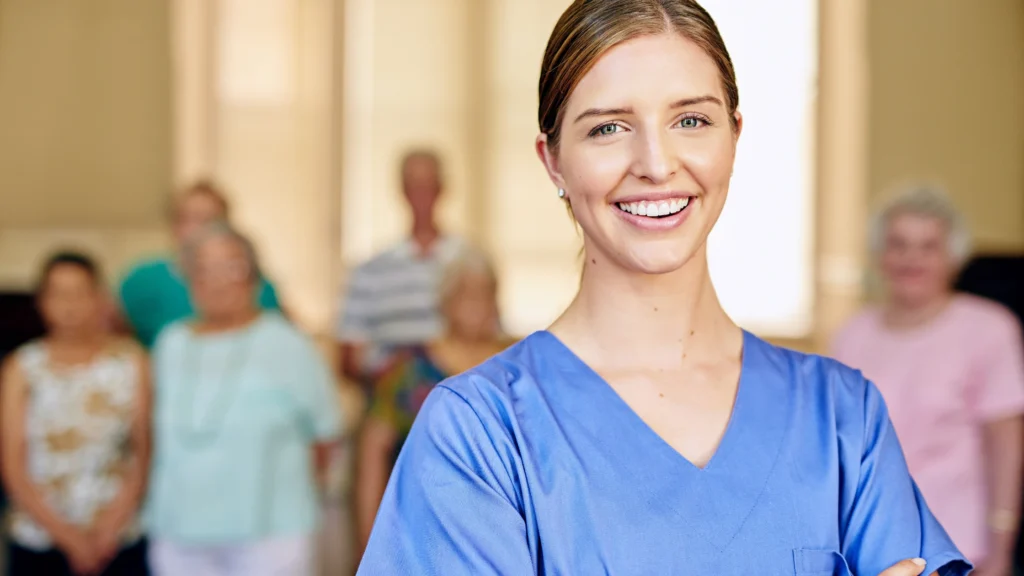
{"x": 656, "y": 160}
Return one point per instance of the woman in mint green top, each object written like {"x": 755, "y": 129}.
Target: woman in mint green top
{"x": 242, "y": 400}
{"x": 154, "y": 294}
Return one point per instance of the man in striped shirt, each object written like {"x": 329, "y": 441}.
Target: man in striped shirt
{"x": 392, "y": 298}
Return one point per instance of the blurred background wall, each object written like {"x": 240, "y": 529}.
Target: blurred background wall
{"x": 303, "y": 107}
{"x": 85, "y": 129}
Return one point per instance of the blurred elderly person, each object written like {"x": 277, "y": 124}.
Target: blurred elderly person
{"x": 392, "y": 298}
{"x": 242, "y": 400}
{"x": 469, "y": 309}
{"x": 75, "y": 435}
{"x": 154, "y": 293}
{"x": 951, "y": 370}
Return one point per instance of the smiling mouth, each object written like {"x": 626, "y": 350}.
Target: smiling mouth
{"x": 654, "y": 209}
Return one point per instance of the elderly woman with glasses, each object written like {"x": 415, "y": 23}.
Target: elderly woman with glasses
{"x": 951, "y": 370}
{"x": 242, "y": 400}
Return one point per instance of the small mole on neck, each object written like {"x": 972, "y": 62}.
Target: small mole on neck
{"x": 593, "y": 260}
{"x": 655, "y": 308}
{"x": 691, "y": 332}
{"x": 660, "y": 395}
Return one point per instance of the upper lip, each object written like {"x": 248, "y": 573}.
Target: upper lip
{"x": 652, "y": 197}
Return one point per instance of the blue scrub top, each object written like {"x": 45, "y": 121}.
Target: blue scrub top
{"x": 532, "y": 464}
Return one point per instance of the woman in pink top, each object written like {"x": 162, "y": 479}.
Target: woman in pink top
{"x": 951, "y": 369}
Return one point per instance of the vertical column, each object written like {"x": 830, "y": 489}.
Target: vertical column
{"x": 407, "y": 85}
{"x": 843, "y": 125}
{"x": 192, "y": 37}
{"x": 255, "y": 103}
{"x": 534, "y": 242}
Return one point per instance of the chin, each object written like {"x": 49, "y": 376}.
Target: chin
{"x": 662, "y": 260}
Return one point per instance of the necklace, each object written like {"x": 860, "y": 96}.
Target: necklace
{"x": 198, "y": 435}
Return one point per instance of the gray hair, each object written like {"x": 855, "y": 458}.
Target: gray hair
{"x": 214, "y": 231}
{"x": 467, "y": 263}
{"x": 924, "y": 200}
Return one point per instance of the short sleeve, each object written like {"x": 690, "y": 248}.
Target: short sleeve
{"x": 354, "y": 322}
{"x": 267, "y": 296}
{"x": 889, "y": 520}
{"x": 316, "y": 393}
{"x": 451, "y": 506}
{"x": 997, "y": 391}
{"x": 128, "y": 296}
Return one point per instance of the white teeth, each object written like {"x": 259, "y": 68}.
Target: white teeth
{"x": 654, "y": 209}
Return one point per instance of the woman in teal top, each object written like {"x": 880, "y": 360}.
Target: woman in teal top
{"x": 242, "y": 402}
{"x": 154, "y": 294}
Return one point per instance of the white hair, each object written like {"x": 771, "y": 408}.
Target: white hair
{"x": 923, "y": 200}
{"x": 468, "y": 262}
{"x": 217, "y": 230}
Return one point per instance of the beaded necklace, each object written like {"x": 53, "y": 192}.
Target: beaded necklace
{"x": 200, "y": 435}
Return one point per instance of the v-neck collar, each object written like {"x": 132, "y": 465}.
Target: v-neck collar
{"x": 716, "y": 499}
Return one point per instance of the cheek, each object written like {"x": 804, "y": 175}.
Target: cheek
{"x": 592, "y": 173}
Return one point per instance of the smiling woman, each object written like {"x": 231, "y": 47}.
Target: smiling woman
{"x": 644, "y": 431}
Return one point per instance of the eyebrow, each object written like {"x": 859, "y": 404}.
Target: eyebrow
{"x": 591, "y": 112}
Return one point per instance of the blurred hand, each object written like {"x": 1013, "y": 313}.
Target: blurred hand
{"x": 911, "y": 567}
{"x": 81, "y": 554}
{"x": 997, "y": 566}
{"x": 106, "y": 536}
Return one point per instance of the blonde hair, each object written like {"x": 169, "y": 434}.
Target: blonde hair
{"x": 929, "y": 200}
{"x": 467, "y": 263}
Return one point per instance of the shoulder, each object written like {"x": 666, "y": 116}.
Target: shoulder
{"x": 282, "y": 335}
{"x": 491, "y": 390}
{"x": 819, "y": 381}
{"x": 382, "y": 261}
{"x": 147, "y": 269}
{"x": 983, "y": 315}
{"x": 859, "y": 326}
{"x": 171, "y": 335}
{"x": 125, "y": 348}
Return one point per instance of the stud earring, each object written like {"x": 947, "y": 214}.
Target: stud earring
{"x": 561, "y": 192}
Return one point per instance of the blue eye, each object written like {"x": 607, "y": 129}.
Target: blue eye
{"x": 691, "y": 122}
{"x": 605, "y": 130}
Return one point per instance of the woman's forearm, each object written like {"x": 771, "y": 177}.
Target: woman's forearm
{"x": 1003, "y": 468}
{"x": 371, "y": 481}
{"x": 29, "y": 499}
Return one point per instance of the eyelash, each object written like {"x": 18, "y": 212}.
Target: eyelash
{"x": 596, "y": 132}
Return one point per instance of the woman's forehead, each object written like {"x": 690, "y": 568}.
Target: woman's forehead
{"x": 654, "y": 70}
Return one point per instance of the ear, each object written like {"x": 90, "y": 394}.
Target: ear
{"x": 550, "y": 160}
{"x": 739, "y": 124}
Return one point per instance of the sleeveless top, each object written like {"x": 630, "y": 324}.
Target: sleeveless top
{"x": 77, "y": 431}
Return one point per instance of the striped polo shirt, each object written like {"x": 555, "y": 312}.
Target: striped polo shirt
{"x": 392, "y": 299}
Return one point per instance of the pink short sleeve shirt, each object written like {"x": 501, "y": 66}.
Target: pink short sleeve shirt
{"x": 942, "y": 382}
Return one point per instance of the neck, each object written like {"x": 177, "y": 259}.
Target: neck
{"x": 79, "y": 339}
{"x": 901, "y": 314}
{"x": 424, "y": 233}
{"x": 227, "y": 321}
{"x": 644, "y": 318}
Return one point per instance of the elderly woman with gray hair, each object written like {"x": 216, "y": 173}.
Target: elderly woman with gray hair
{"x": 469, "y": 308}
{"x": 242, "y": 397}
{"x": 951, "y": 370}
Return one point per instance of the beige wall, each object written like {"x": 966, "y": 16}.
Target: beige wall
{"x": 947, "y": 101}
{"x": 86, "y": 130}
{"x": 256, "y": 106}
{"x": 85, "y": 110}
